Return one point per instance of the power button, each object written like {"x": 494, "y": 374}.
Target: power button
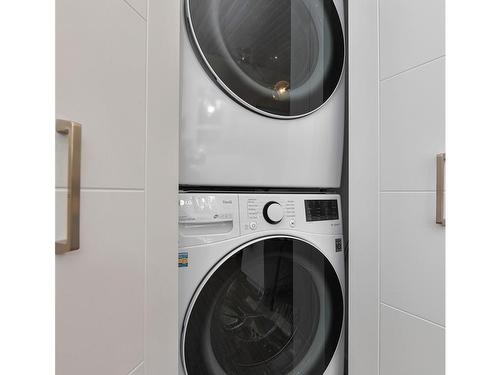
{"x": 292, "y": 223}
{"x": 253, "y": 225}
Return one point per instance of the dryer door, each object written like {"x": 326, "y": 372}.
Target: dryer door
{"x": 273, "y": 307}
{"x": 281, "y": 58}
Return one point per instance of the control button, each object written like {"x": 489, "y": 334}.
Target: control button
{"x": 253, "y": 225}
{"x": 292, "y": 223}
{"x": 338, "y": 245}
{"x": 273, "y": 212}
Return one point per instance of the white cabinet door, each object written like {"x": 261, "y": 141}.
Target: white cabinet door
{"x": 411, "y": 34}
{"x": 100, "y": 288}
{"x": 396, "y": 129}
{"x": 410, "y": 346}
{"x": 412, "y": 133}
{"x": 412, "y": 116}
{"x": 412, "y": 260}
{"x": 116, "y": 297}
{"x": 101, "y": 83}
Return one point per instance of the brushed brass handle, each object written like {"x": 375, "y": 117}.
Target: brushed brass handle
{"x": 73, "y": 130}
{"x": 440, "y": 160}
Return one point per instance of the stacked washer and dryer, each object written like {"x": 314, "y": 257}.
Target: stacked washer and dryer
{"x": 261, "y": 261}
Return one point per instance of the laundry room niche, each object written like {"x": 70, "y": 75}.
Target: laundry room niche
{"x": 261, "y": 205}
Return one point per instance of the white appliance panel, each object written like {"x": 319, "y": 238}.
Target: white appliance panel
{"x": 315, "y": 226}
{"x": 224, "y": 143}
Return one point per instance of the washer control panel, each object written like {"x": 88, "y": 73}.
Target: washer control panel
{"x": 206, "y": 208}
{"x": 207, "y": 218}
{"x": 212, "y": 217}
{"x": 312, "y": 213}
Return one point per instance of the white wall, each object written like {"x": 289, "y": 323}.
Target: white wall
{"x": 363, "y": 120}
{"x": 162, "y": 185}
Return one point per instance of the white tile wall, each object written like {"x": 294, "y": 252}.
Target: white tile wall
{"x": 412, "y": 255}
{"x": 411, "y": 33}
{"x": 101, "y": 83}
{"x": 412, "y": 107}
{"x": 410, "y": 346}
{"x": 100, "y": 288}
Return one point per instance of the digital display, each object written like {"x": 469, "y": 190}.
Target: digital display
{"x": 319, "y": 210}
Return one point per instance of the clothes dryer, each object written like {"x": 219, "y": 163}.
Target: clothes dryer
{"x": 262, "y": 92}
{"x": 261, "y": 284}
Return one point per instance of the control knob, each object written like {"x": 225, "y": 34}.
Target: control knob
{"x": 273, "y": 212}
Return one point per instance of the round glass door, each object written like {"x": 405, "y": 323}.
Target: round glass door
{"x": 275, "y": 307}
{"x": 281, "y": 58}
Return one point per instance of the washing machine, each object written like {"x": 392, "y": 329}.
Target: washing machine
{"x": 261, "y": 284}
{"x": 262, "y": 93}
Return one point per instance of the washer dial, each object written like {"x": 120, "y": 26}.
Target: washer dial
{"x": 273, "y": 212}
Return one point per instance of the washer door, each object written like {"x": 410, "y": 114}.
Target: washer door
{"x": 281, "y": 58}
{"x": 274, "y": 307}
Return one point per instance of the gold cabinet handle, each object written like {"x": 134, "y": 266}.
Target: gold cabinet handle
{"x": 440, "y": 160}
{"x": 73, "y": 131}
